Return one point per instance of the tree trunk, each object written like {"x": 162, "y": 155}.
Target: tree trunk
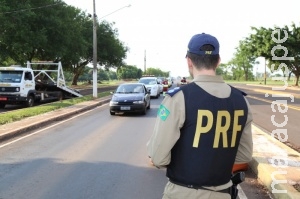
{"x": 246, "y": 74}
{"x": 290, "y": 74}
{"x": 75, "y": 79}
{"x": 297, "y": 80}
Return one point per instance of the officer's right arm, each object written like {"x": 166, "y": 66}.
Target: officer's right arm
{"x": 167, "y": 129}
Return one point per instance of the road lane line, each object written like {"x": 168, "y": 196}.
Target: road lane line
{"x": 241, "y": 193}
{"x": 53, "y": 125}
{"x": 269, "y": 101}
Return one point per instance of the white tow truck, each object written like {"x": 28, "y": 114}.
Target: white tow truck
{"x": 38, "y": 82}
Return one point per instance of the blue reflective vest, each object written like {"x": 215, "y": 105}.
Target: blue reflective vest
{"x": 205, "y": 152}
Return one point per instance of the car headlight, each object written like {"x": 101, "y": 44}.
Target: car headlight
{"x": 113, "y": 103}
{"x": 139, "y": 102}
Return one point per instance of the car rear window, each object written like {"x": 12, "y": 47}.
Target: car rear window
{"x": 148, "y": 81}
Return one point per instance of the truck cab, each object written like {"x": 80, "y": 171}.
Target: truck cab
{"x": 17, "y": 86}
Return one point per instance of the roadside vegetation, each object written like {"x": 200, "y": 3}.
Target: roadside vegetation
{"x": 269, "y": 82}
{"x": 279, "y": 48}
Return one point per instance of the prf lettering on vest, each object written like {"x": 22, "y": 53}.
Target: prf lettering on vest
{"x": 221, "y": 130}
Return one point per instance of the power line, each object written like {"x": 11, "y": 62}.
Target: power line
{"x": 35, "y": 8}
{"x": 115, "y": 11}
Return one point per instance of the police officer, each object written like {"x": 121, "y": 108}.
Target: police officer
{"x": 202, "y": 129}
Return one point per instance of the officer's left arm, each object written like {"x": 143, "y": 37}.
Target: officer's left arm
{"x": 170, "y": 119}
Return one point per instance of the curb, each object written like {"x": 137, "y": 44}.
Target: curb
{"x": 276, "y": 165}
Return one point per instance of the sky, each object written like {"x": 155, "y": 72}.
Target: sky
{"x": 161, "y": 29}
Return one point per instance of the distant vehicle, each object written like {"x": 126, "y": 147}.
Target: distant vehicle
{"x": 130, "y": 97}
{"x": 165, "y": 82}
{"x": 170, "y": 81}
{"x": 183, "y": 81}
{"x": 153, "y": 85}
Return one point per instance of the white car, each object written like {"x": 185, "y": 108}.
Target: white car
{"x": 153, "y": 85}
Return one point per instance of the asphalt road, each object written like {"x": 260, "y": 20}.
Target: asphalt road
{"x": 93, "y": 155}
{"x": 272, "y": 117}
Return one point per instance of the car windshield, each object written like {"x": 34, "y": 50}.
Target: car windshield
{"x": 130, "y": 89}
{"x": 148, "y": 81}
{"x": 11, "y": 76}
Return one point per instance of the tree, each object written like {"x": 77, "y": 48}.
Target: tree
{"x": 223, "y": 70}
{"x": 243, "y": 61}
{"x": 156, "y": 72}
{"x": 34, "y": 29}
{"x": 129, "y": 72}
{"x": 279, "y": 46}
{"x": 111, "y": 51}
{"x": 47, "y": 30}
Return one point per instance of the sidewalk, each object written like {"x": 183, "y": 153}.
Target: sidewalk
{"x": 276, "y": 165}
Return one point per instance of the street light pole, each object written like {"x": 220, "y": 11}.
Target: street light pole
{"x": 95, "y": 95}
{"x": 145, "y": 62}
{"x": 265, "y": 70}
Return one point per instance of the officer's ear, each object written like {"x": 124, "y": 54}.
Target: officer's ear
{"x": 219, "y": 62}
{"x": 189, "y": 62}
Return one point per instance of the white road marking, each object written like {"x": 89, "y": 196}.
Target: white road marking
{"x": 241, "y": 193}
{"x": 269, "y": 101}
{"x": 39, "y": 131}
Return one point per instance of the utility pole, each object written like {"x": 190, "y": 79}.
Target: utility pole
{"x": 265, "y": 70}
{"x": 145, "y": 61}
{"x": 95, "y": 25}
{"x": 95, "y": 71}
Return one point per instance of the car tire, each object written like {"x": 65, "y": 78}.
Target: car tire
{"x": 143, "y": 112}
{"x": 112, "y": 113}
{"x": 157, "y": 96}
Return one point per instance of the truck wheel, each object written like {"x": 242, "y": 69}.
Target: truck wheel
{"x": 61, "y": 96}
{"x": 30, "y": 101}
{"x": 2, "y": 105}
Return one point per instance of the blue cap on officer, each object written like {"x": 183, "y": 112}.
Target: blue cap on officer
{"x": 198, "y": 40}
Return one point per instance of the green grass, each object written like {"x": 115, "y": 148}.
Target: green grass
{"x": 269, "y": 82}
{"x": 81, "y": 85}
{"x": 19, "y": 114}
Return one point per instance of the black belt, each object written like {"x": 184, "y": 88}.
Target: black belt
{"x": 200, "y": 187}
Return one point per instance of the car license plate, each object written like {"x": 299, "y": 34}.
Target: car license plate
{"x": 3, "y": 98}
{"x": 125, "y": 108}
